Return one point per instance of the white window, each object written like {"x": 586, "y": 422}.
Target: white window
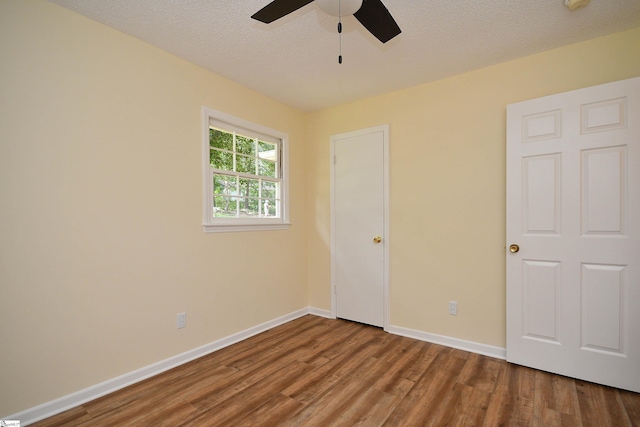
{"x": 245, "y": 175}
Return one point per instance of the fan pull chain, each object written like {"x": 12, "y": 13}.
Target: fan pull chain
{"x": 340, "y": 36}
{"x": 340, "y": 30}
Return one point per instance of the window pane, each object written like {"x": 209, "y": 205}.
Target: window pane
{"x": 224, "y": 207}
{"x": 249, "y": 207}
{"x": 267, "y": 168}
{"x": 267, "y": 150}
{"x": 268, "y": 208}
{"x": 224, "y": 184}
{"x": 245, "y": 164}
{"x": 249, "y": 187}
{"x": 221, "y": 160}
{"x": 269, "y": 190}
{"x": 220, "y": 139}
{"x": 245, "y": 145}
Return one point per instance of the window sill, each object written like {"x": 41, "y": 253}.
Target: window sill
{"x": 227, "y": 228}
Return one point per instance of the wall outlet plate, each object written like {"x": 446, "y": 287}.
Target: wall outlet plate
{"x": 453, "y": 308}
{"x": 181, "y": 320}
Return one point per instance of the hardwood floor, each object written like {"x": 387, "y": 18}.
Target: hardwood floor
{"x": 320, "y": 372}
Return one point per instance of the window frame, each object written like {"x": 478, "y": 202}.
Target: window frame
{"x": 211, "y": 224}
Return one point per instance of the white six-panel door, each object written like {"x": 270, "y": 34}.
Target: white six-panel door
{"x": 359, "y": 238}
{"x": 573, "y": 210}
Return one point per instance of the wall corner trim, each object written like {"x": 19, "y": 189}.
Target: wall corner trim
{"x": 320, "y": 313}
{"x": 471, "y": 346}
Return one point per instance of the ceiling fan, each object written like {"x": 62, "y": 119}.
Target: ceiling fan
{"x": 372, "y": 14}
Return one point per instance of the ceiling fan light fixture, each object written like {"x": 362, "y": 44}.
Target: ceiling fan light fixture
{"x": 339, "y": 7}
{"x": 575, "y": 4}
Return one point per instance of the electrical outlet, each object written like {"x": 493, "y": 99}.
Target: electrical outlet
{"x": 453, "y": 308}
{"x": 181, "y": 320}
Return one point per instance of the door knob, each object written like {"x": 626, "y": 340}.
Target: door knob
{"x": 377, "y": 239}
{"x": 514, "y": 248}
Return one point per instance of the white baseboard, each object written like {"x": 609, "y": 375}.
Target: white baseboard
{"x": 471, "y": 346}
{"x": 64, "y": 403}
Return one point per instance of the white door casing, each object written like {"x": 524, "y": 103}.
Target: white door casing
{"x": 573, "y": 208}
{"x": 359, "y": 214}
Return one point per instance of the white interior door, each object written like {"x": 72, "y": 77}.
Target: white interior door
{"x": 573, "y": 208}
{"x": 358, "y": 229}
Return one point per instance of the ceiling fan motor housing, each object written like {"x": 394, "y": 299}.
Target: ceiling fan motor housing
{"x": 339, "y": 7}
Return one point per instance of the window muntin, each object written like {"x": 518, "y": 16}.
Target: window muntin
{"x": 245, "y": 175}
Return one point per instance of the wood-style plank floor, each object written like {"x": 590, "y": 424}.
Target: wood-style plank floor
{"x": 321, "y": 372}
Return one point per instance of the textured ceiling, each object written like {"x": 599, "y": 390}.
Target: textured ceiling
{"x": 295, "y": 59}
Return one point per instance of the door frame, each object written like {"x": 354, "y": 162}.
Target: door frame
{"x": 385, "y": 233}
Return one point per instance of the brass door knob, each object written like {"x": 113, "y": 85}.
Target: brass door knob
{"x": 377, "y": 239}
{"x": 514, "y": 248}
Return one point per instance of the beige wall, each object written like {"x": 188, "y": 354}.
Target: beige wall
{"x": 101, "y": 243}
{"x": 100, "y": 189}
{"x": 447, "y": 178}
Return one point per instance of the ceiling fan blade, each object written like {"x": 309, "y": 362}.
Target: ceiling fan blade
{"x": 277, "y": 9}
{"x": 375, "y": 17}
